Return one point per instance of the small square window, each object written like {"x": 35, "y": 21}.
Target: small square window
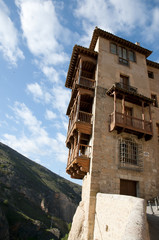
{"x": 150, "y": 74}
{"x": 113, "y": 48}
{"x": 154, "y": 98}
{"x": 132, "y": 56}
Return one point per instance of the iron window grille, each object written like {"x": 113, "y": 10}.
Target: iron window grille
{"x": 130, "y": 154}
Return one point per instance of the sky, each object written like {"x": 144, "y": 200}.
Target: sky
{"x": 36, "y": 42}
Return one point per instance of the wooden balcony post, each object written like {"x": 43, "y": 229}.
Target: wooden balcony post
{"x": 143, "y": 116}
{"x": 78, "y": 142}
{"x": 78, "y": 107}
{"x": 150, "y": 115}
{"x": 80, "y": 70}
{"x": 71, "y": 153}
{"x": 123, "y": 108}
{"x": 69, "y": 156}
{"x": 123, "y": 104}
{"x": 114, "y": 105}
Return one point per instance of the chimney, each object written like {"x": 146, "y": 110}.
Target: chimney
{"x": 137, "y": 43}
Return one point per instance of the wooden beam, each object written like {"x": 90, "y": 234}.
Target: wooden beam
{"x": 114, "y": 103}
{"x": 143, "y": 115}
{"x": 123, "y": 104}
{"x": 88, "y": 59}
{"x": 80, "y": 70}
{"x": 78, "y": 107}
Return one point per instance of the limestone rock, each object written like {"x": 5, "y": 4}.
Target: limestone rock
{"x": 77, "y": 224}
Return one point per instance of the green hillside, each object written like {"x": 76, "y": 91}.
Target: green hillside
{"x": 34, "y": 202}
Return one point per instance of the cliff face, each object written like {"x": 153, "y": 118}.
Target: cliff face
{"x": 4, "y": 227}
{"x": 32, "y": 192}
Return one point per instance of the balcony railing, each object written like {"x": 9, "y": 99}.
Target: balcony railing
{"x": 81, "y": 150}
{"x": 121, "y": 120}
{"x": 84, "y": 82}
{"x": 80, "y": 117}
{"x": 126, "y": 86}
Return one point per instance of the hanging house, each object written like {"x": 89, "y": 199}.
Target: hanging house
{"x": 113, "y": 132}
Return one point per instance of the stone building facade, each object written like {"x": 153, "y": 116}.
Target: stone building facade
{"x": 113, "y": 132}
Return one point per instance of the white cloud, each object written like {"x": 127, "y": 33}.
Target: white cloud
{"x": 112, "y": 15}
{"x": 51, "y": 73}
{"x": 61, "y": 138}
{"x": 57, "y": 96}
{"x": 35, "y": 89}
{"x": 39, "y": 93}
{"x": 8, "y": 36}
{"x": 50, "y": 115}
{"x": 43, "y": 31}
{"x": 34, "y": 140}
{"x": 61, "y": 97}
{"x": 152, "y": 31}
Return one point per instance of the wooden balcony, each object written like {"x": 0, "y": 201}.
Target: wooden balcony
{"x": 126, "y": 87}
{"x": 83, "y": 82}
{"x": 122, "y": 122}
{"x": 78, "y": 161}
{"x": 80, "y": 121}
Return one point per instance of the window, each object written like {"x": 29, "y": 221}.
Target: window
{"x": 124, "y": 54}
{"x": 150, "y": 74}
{"x": 128, "y": 152}
{"x": 123, "y": 57}
{"x": 132, "y": 56}
{"x": 124, "y": 80}
{"x": 113, "y": 48}
{"x": 154, "y": 98}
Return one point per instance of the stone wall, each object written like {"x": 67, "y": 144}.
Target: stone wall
{"x": 120, "y": 218}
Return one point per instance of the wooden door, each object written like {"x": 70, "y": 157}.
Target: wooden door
{"x": 128, "y": 187}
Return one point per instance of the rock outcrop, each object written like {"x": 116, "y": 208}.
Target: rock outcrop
{"x": 117, "y": 217}
{"x": 34, "y": 193}
{"x": 4, "y": 227}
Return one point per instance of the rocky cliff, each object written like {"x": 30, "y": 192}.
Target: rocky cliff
{"x": 33, "y": 199}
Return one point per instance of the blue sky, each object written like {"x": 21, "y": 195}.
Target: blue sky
{"x": 36, "y": 41}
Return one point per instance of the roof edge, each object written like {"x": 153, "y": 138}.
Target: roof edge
{"x": 77, "y": 49}
{"x": 152, "y": 64}
{"x": 101, "y": 33}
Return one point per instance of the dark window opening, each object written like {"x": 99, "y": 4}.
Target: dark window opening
{"x": 113, "y": 48}
{"x": 124, "y": 80}
{"x": 150, "y": 74}
{"x": 132, "y": 56}
{"x": 123, "y": 57}
{"x": 124, "y": 54}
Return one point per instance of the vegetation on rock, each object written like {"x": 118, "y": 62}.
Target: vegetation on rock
{"x": 34, "y": 202}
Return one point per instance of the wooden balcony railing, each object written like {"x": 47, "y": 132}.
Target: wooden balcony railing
{"x": 80, "y": 117}
{"x": 126, "y": 86}
{"x": 121, "y": 120}
{"x": 83, "y": 81}
{"x": 81, "y": 150}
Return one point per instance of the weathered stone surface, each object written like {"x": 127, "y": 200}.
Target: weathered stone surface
{"x": 120, "y": 217}
{"x": 77, "y": 228}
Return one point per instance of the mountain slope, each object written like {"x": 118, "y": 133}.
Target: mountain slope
{"x": 34, "y": 198}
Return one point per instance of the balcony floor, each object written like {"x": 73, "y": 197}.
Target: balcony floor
{"x": 123, "y": 123}
{"x": 83, "y": 127}
{"x": 79, "y": 167}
